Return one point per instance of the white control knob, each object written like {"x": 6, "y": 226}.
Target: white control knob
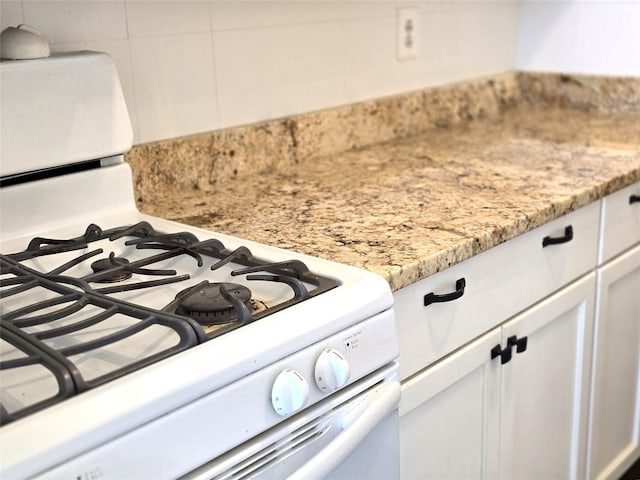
{"x": 289, "y": 393}
{"x": 332, "y": 370}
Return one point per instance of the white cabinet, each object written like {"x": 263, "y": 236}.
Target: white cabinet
{"x": 620, "y": 228}
{"x": 615, "y": 400}
{"x": 471, "y": 416}
{"x": 545, "y": 389}
{"x": 614, "y": 431}
{"x": 449, "y": 416}
{"x": 568, "y": 404}
{"x": 499, "y": 283}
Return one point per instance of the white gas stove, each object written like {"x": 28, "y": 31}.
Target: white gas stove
{"x": 136, "y": 347}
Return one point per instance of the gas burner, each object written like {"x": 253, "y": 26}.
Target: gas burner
{"x": 106, "y": 263}
{"x": 117, "y": 310}
{"x": 208, "y": 306}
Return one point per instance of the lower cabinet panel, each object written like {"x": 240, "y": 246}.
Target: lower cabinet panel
{"x": 545, "y": 389}
{"x": 449, "y": 416}
{"x": 615, "y": 402}
{"x": 520, "y": 416}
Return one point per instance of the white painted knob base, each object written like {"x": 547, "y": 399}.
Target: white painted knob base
{"x": 332, "y": 370}
{"x": 290, "y": 392}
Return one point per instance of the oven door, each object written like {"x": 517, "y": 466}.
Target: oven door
{"x": 345, "y": 437}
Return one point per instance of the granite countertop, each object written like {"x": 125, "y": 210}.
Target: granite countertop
{"x": 408, "y": 208}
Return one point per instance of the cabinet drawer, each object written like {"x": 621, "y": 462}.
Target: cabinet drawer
{"x": 498, "y": 284}
{"x": 620, "y": 222}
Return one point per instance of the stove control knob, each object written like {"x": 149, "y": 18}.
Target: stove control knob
{"x": 289, "y": 393}
{"x": 332, "y": 370}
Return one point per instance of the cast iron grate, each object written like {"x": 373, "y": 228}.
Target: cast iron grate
{"x": 34, "y": 332}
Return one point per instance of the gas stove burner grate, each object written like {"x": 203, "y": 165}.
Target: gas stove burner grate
{"x": 45, "y": 348}
{"x": 106, "y": 263}
{"x": 213, "y": 303}
{"x": 80, "y": 317}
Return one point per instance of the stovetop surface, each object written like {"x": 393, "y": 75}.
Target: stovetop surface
{"x": 81, "y": 311}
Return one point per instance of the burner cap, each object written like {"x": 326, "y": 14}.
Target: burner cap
{"x": 105, "y": 264}
{"x": 207, "y": 305}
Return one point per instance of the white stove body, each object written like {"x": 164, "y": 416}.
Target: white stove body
{"x": 206, "y": 410}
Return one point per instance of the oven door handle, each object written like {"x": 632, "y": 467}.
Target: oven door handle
{"x": 357, "y": 424}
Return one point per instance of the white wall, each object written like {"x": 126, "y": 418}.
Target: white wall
{"x": 193, "y": 66}
{"x": 580, "y": 36}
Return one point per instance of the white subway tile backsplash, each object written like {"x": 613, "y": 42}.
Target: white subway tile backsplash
{"x": 445, "y": 31}
{"x": 372, "y": 67}
{"x": 191, "y": 66}
{"x": 462, "y": 40}
{"x": 174, "y": 85}
{"x": 156, "y": 18}
{"x": 369, "y": 61}
{"x": 486, "y": 37}
{"x": 77, "y": 21}
{"x": 245, "y": 15}
{"x": 271, "y": 72}
{"x": 10, "y": 14}
{"x": 365, "y": 9}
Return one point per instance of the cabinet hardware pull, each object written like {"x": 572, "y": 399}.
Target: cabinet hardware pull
{"x": 567, "y": 237}
{"x": 634, "y": 199}
{"x": 505, "y": 355}
{"x": 430, "y": 298}
{"x": 519, "y": 343}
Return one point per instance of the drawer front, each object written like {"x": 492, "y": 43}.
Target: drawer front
{"x": 620, "y": 222}
{"x": 498, "y": 284}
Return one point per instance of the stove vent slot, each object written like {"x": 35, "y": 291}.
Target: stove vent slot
{"x": 276, "y": 452}
{"x": 24, "y": 177}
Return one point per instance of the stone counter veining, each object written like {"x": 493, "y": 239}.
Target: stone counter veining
{"x": 405, "y": 186}
{"x": 409, "y": 208}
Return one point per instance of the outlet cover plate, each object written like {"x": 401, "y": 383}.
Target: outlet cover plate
{"x": 408, "y": 33}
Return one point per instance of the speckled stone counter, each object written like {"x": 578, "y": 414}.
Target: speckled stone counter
{"x": 412, "y": 206}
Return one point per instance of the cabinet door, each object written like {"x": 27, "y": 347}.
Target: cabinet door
{"x": 545, "y": 389}
{"x": 449, "y": 416}
{"x": 615, "y": 402}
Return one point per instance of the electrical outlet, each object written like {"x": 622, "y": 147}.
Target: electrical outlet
{"x": 408, "y": 30}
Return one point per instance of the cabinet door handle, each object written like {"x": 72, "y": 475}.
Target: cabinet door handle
{"x": 519, "y": 343}
{"x": 430, "y": 298}
{"x": 505, "y": 355}
{"x": 634, "y": 199}
{"x": 567, "y": 237}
